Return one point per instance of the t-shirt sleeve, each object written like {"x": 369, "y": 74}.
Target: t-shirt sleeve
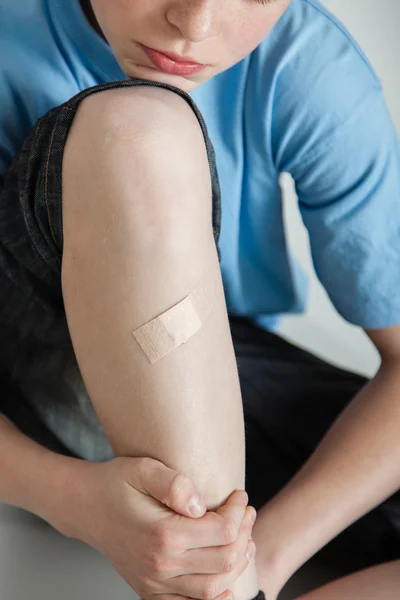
{"x": 343, "y": 153}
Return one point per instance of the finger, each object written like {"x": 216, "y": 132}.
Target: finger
{"x": 173, "y": 489}
{"x": 220, "y": 559}
{"x": 227, "y": 595}
{"x": 206, "y": 586}
{"x": 233, "y": 513}
{"x": 214, "y": 528}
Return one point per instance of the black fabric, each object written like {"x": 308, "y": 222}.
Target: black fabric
{"x": 22, "y": 414}
{"x": 36, "y": 352}
{"x": 290, "y": 400}
{"x": 290, "y": 397}
{"x": 260, "y": 596}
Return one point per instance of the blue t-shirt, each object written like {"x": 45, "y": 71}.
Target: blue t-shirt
{"x": 306, "y": 102}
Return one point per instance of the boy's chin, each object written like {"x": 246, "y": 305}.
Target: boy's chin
{"x": 140, "y": 72}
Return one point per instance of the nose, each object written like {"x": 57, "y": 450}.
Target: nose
{"x": 196, "y": 20}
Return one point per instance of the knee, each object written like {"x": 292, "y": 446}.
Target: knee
{"x": 137, "y": 117}
{"x": 141, "y": 151}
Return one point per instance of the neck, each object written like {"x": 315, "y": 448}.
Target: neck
{"x": 91, "y": 17}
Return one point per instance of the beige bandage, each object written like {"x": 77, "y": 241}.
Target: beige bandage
{"x": 173, "y": 328}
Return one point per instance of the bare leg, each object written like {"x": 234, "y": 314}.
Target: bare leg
{"x": 378, "y": 583}
{"x": 137, "y": 240}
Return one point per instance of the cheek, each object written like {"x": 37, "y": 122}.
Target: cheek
{"x": 248, "y": 34}
{"x": 114, "y": 16}
{"x": 246, "y": 40}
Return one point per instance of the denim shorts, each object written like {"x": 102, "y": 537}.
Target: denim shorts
{"x": 290, "y": 397}
{"x": 38, "y": 369}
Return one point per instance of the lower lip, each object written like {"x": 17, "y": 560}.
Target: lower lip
{"x": 167, "y": 65}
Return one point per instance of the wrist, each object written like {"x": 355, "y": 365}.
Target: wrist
{"x": 276, "y": 559}
{"x": 70, "y": 497}
{"x": 271, "y": 578}
{"x": 40, "y": 481}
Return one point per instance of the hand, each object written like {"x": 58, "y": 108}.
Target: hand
{"x": 135, "y": 512}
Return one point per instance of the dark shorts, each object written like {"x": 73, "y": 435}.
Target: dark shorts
{"x": 290, "y": 397}
{"x": 36, "y": 354}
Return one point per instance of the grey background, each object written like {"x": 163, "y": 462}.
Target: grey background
{"x": 38, "y": 564}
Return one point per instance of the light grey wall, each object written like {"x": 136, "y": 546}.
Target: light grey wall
{"x": 375, "y": 25}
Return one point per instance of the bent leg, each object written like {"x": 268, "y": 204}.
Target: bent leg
{"x": 137, "y": 240}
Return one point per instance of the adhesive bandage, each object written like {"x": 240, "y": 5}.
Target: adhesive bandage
{"x": 174, "y": 327}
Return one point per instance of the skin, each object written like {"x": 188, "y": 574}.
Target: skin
{"x": 361, "y": 454}
{"x": 218, "y": 33}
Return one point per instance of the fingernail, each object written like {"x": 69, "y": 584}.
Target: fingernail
{"x": 195, "y": 507}
{"x": 245, "y": 498}
{"x": 250, "y": 553}
{"x": 254, "y": 516}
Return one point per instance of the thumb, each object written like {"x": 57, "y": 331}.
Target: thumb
{"x": 170, "y": 487}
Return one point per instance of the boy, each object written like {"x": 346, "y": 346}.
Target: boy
{"x": 105, "y": 225}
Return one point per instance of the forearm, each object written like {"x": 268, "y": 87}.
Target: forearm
{"x": 355, "y": 468}
{"x": 381, "y": 582}
{"x": 32, "y": 477}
